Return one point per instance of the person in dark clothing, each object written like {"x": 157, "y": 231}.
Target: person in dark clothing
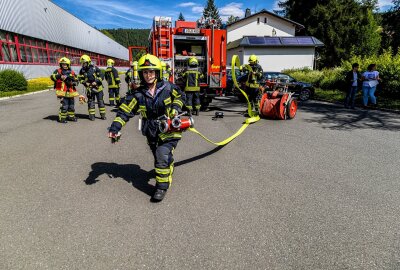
{"x": 353, "y": 80}
{"x": 91, "y": 77}
{"x": 192, "y": 86}
{"x": 112, "y": 78}
{"x": 253, "y": 74}
{"x": 65, "y": 81}
{"x": 154, "y": 98}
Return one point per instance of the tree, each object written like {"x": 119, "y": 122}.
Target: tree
{"x": 391, "y": 27}
{"x": 232, "y": 19}
{"x": 181, "y": 18}
{"x": 344, "y": 26}
{"x": 211, "y": 11}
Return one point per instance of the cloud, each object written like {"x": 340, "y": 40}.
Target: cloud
{"x": 197, "y": 9}
{"x": 231, "y": 9}
{"x": 188, "y": 4}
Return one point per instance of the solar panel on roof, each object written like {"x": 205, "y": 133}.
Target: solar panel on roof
{"x": 272, "y": 41}
{"x": 289, "y": 41}
{"x": 305, "y": 40}
{"x": 256, "y": 40}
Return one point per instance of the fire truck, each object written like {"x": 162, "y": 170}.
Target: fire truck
{"x": 203, "y": 40}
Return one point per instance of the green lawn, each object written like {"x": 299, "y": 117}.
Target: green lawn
{"x": 339, "y": 96}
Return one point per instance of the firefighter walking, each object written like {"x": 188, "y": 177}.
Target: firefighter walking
{"x": 253, "y": 74}
{"x": 65, "y": 81}
{"x": 192, "y": 76}
{"x": 112, "y": 78}
{"x": 91, "y": 77}
{"x": 154, "y": 98}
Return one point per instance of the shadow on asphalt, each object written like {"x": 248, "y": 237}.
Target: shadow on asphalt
{"x": 77, "y": 115}
{"x": 336, "y": 117}
{"x": 131, "y": 173}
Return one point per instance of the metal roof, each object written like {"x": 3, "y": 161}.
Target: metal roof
{"x": 45, "y": 20}
{"x": 253, "y": 41}
{"x": 300, "y": 26}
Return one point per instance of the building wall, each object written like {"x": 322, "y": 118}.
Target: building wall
{"x": 278, "y": 59}
{"x": 44, "y": 20}
{"x": 237, "y": 51}
{"x": 250, "y": 27}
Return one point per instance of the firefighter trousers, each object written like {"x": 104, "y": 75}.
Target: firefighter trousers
{"x": 67, "y": 109}
{"x": 163, "y": 161}
{"x": 92, "y": 101}
{"x": 193, "y": 100}
{"x": 253, "y": 94}
{"x": 113, "y": 96}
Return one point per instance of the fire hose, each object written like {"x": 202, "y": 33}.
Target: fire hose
{"x": 253, "y": 116}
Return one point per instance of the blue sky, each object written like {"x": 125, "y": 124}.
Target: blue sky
{"x": 139, "y": 14}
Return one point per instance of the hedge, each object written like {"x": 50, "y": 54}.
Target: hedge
{"x": 11, "y": 80}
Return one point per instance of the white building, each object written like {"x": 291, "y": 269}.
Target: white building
{"x": 272, "y": 38}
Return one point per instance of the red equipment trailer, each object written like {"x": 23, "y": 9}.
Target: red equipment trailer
{"x": 175, "y": 45}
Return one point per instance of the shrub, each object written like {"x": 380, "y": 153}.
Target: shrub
{"x": 11, "y": 80}
{"x": 39, "y": 83}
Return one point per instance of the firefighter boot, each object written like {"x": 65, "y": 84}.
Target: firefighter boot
{"x": 91, "y": 117}
{"x": 159, "y": 195}
{"x": 196, "y": 112}
{"x": 103, "y": 116}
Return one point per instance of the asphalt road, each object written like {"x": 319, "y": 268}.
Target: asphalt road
{"x": 321, "y": 191}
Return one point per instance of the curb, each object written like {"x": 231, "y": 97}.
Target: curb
{"x": 341, "y": 103}
{"x": 27, "y": 94}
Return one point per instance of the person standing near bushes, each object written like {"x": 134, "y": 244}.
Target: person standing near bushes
{"x": 370, "y": 80}
{"x": 353, "y": 78}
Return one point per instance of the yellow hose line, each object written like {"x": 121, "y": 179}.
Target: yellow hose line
{"x": 253, "y": 116}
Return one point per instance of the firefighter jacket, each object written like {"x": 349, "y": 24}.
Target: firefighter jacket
{"x": 129, "y": 75}
{"x": 253, "y": 74}
{"x": 91, "y": 74}
{"x": 167, "y": 97}
{"x": 65, "y": 88}
{"x": 192, "y": 76}
{"x": 112, "y": 77}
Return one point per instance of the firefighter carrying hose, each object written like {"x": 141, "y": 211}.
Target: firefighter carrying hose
{"x": 112, "y": 78}
{"x": 253, "y": 74}
{"x": 65, "y": 81}
{"x": 91, "y": 77}
{"x": 154, "y": 98}
{"x": 192, "y": 86}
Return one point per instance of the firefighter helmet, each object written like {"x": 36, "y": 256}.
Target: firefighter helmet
{"x": 85, "y": 59}
{"x": 253, "y": 59}
{"x": 132, "y": 63}
{"x": 193, "y": 61}
{"x": 149, "y": 62}
{"x": 65, "y": 60}
{"x": 110, "y": 63}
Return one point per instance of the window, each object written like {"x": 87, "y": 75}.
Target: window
{"x": 258, "y": 20}
{"x": 265, "y": 20}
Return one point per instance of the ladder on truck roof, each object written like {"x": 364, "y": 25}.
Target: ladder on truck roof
{"x": 162, "y": 36}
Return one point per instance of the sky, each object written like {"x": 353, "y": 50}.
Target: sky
{"x": 106, "y": 14}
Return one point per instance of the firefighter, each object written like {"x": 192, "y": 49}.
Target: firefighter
{"x": 91, "y": 77}
{"x": 253, "y": 74}
{"x": 129, "y": 75}
{"x": 192, "y": 87}
{"x": 166, "y": 71}
{"x": 112, "y": 77}
{"x": 65, "y": 81}
{"x": 153, "y": 99}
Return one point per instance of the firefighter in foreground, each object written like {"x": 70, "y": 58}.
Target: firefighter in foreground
{"x": 112, "y": 78}
{"x": 154, "y": 99}
{"x": 91, "y": 77}
{"x": 253, "y": 74}
{"x": 192, "y": 76}
{"x": 65, "y": 81}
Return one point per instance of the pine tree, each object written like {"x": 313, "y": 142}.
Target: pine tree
{"x": 232, "y": 19}
{"x": 181, "y": 18}
{"x": 211, "y": 11}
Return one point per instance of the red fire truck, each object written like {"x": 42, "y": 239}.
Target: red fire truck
{"x": 175, "y": 45}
